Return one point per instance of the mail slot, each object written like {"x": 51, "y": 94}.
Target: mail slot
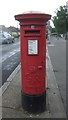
{"x": 32, "y": 31}
{"x": 33, "y": 60}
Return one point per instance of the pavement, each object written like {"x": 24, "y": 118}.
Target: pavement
{"x": 10, "y": 96}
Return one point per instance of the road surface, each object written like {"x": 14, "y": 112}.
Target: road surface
{"x": 9, "y": 59}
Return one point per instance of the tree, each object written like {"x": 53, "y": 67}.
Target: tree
{"x": 60, "y": 20}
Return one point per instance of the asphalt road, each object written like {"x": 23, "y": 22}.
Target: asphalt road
{"x": 57, "y": 53}
{"x": 9, "y": 59}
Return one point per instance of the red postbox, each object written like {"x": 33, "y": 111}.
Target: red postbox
{"x": 33, "y": 60}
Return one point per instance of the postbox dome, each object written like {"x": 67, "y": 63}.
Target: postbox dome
{"x": 33, "y": 12}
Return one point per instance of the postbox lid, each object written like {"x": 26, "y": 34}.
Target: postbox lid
{"x": 33, "y": 15}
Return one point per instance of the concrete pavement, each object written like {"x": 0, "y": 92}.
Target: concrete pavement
{"x": 11, "y": 97}
{"x": 57, "y": 52}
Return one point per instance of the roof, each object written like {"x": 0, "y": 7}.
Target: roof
{"x": 9, "y": 29}
{"x": 13, "y": 29}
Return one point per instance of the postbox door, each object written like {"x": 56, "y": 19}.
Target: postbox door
{"x": 33, "y": 65}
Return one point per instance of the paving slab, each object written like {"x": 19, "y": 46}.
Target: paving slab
{"x": 11, "y": 102}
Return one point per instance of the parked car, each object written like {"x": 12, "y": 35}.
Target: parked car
{"x": 6, "y": 38}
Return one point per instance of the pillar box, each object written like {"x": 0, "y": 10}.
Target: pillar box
{"x": 33, "y": 60}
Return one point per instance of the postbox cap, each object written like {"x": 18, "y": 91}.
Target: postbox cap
{"x": 32, "y": 15}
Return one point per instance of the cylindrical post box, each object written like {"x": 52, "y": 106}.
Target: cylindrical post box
{"x": 33, "y": 60}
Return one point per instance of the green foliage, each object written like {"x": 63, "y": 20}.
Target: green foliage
{"x": 60, "y": 20}
{"x": 53, "y": 30}
{"x": 16, "y": 36}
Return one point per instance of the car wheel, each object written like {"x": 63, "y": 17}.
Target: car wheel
{"x": 8, "y": 42}
{"x": 12, "y": 41}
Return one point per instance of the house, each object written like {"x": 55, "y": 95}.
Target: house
{"x": 12, "y": 30}
{"x": 3, "y": 28}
